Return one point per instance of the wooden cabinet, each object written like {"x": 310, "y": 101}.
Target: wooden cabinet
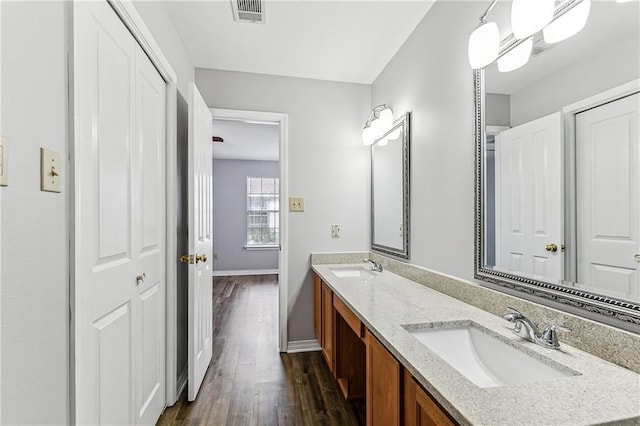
{"x": 349, "y": 352}
{"x": 327, "y": 326}
{"x": 383, "y": 385}
{"x": 420, "y": 409}
{"x": 317, "y": 307}
{"x": 364, "y": 367}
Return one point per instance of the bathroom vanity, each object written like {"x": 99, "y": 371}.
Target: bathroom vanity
{"x": 371, "y": 327}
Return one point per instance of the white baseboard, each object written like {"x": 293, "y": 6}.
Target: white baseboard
{"x": 182, "y": 381}
{"x": 303, "y": 346}
{"x": 247, "y": 272}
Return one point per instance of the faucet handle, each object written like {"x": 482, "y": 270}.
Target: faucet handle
{"x": 550, "y": 336}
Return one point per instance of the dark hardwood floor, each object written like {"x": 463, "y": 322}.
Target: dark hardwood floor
{"x": 249, "y": 382}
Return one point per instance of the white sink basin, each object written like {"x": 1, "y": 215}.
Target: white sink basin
{"x": 482, "y": 357}
{"x": 350, "y": 272}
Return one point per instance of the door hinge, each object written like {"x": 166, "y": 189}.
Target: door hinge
{"x": 187, "y": 258}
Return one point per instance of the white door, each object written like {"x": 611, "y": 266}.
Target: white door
{"x": 608, "y": 192}
{"x": 200, "y": 240}
{"x": 530, "y": 197}
{"x": 119, "y": 224}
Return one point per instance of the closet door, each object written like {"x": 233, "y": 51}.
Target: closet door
{"x": 118, "y": 224}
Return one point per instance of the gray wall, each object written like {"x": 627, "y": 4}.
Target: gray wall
{"x": 497, "y": 110}
{"x": 430, "y": 76}
{"x": 230, "y": 215}
{"x": 327, "y": 163}
{"x": 34, "y": 275}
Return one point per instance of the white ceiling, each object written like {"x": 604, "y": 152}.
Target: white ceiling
{"x": 350, "y": 41}
{"x": 246, "y": 141}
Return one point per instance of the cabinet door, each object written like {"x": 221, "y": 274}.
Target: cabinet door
{"x": 317, "y": 307}
{"x": 383, "y": 385}
{"x": 327, "y": 326}
{"x": 419, "y": 408}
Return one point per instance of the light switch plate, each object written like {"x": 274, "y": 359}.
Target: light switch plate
{"x": 296, "y": 204}
{"x": 50, "y": 171}
{"x": 4, "y": 161}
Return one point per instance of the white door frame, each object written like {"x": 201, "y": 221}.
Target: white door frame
{"x": 135, "y": 24}
{"x": 569, "y": 113}
{"x": 282, "y": 120}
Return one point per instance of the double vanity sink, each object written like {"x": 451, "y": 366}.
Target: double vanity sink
{"x": 472, "y": 363}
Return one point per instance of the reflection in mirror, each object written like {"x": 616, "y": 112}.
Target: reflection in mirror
{"x": 558, "y": 178}
{"x": 390, "y": 191}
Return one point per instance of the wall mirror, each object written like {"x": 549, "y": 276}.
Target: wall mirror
{"x": 558, "y": 169}
{"x": 390, "y": 190}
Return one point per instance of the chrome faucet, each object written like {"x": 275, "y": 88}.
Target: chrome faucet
{"x": 524, "y": 328}
{"x": 375, "y": 265}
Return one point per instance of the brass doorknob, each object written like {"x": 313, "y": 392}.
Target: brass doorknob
{"x": 201, "y": 258}
{"x": 551, "y": 247}
{"x": 637, "y": 257}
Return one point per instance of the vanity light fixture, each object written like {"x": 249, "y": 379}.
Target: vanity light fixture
{"x": 527, "y": 18}
{"x": 484, "y": 41}
{"x": 516, "y": 57}
{"x": 378, "y": 123}
{"x": 568, "y": 24}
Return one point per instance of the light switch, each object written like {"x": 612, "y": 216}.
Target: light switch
{"x": 296, "y": 204}
{"x": 50, "y": 171}
{"x": 4, "y": 161}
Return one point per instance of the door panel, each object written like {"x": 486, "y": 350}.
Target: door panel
{"x": 530, "y": 161}
{"x": 608, "y": 198}
{"x": 113, "y": 337}
{"x": 119, "y": 223}
{"x": 200, "y": 301}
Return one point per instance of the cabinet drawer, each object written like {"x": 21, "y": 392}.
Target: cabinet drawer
{"x": 349, "y": 317}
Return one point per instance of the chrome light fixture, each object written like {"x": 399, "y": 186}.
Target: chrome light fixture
{"x": 378, "y": 123}
{"x": 527, "y": 18}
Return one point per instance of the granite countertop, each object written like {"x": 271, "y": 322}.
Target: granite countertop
{"x": 601, "y": 392}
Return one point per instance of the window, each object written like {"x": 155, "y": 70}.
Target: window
{"x": 263, "y": 215}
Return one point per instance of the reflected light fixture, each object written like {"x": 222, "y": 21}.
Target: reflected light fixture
{"x": 378, "y": 123}
{"x": 516, "y": 57}
{"x": 530, "y": 16}
{"x": 568, "y": 24}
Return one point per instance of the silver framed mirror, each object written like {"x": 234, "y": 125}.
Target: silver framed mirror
{"x": 390, "y": 171}
{"x": 562, "y": 84}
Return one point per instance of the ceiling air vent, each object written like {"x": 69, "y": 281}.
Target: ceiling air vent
{"x": 251, "y": 11}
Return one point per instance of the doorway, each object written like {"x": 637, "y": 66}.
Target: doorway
{"x": 252, "y": 162}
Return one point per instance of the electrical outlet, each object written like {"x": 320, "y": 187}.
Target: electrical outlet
{"x": 335, "y": 231}
{"x": 296, "y": 204}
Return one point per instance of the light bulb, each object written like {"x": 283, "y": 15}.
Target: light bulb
{"x": 530, "y": 16}
{"x": 386, "y": 119}
{"x": 484, "y": 45}
{"x": 395, "y": 134}
{"x": 382, "y": 142}
{"x": 568, "y": 24}
{"x": 516, "y": 57}
{"x": 368, "y": 135}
